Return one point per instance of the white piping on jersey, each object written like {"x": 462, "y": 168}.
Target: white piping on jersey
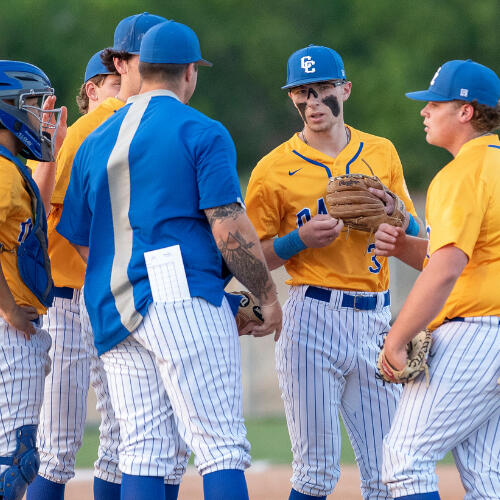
{"x": 152, "y": 93}
{"x": 119, "y": 192}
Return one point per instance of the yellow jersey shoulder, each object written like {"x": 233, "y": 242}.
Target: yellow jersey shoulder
{"x": 75, "y": 136}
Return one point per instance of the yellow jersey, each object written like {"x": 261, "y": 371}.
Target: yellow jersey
{"x": 16, "y": 220}
{"x": 288, "y": 187}
{"x": 68, "y": 268}
{"x": 463, "y": 210}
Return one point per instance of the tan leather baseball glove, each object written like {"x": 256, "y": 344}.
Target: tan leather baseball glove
{"x": 418, "y": 351}
{"x": 348, "y": 199}
{"x": 248, "y": 311}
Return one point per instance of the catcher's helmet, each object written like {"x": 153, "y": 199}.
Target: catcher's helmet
{"x": 313, "y": 64}
{"x": 20, "y": 81}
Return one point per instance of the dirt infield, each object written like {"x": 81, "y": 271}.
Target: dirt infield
{"x": 272, "y": 483}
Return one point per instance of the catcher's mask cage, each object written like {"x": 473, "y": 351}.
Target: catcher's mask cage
{"x": 36, "y": 129}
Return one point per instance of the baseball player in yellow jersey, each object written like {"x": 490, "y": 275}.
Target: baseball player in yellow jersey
{"x": 337, "y": 312}
{"x": 63, "y": 411}
{"x": 456, "y": 296}
{"x": 25, "y": 282}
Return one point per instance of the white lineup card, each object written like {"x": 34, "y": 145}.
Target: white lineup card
{"x": 166, "y": 273}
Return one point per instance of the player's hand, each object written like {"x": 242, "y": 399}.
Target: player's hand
{"x": 386, "y": 198}
{"x": 272, "y": 314}
{"x": 247, "y": 328}
{"x": 50, "y": 118}
{"x": 21, "y": 319}
{"x": 388, "y": 240}
{"x": 395, "y": 353}
{"x": 320, "y": 231}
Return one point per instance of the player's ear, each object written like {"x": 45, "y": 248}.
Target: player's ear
{"x": 190, "y": 71}
{"x": 120, "y": 65}
{"x": 90, "y": 90}
{"x": 346, "y": 90}
{"x": 466, "y": 112}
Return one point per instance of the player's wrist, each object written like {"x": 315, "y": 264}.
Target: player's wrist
{"x": 289, "y": 245}
{"x": 412, "y": 227}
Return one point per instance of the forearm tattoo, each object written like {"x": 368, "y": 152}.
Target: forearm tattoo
{"x": 236, "y": 249}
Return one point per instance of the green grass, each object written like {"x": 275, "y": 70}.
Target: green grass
{"x": 268, "y": 437}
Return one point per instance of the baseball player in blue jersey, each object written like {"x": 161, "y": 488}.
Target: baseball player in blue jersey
{"x": 338, "y": 311}
{"x": 456, "y": 297}
{"x": 160, "y": 178}
{"x": 26, "y": 288}
{"x": 75, "y": 359}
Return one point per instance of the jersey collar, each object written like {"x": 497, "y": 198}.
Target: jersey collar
{"x": 346, "y": 157}
{"x": 153, "y": 93}
{"x": 483, "y": 140}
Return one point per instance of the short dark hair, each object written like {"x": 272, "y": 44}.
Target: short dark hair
{"x": 160, "y": 71}
{"x": 107, "y": 57}
{"x": 485, "y": 118}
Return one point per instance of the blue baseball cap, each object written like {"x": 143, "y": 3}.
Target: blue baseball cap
{"x": 313, "y": 64}
{"x": 171, "y": 43}
{"x": 96, "y": 67}
{"x": 130, "y": 31}
{"x": 463, "y": 81}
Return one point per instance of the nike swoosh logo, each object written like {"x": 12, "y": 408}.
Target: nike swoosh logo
{"x": 294, "y": 172}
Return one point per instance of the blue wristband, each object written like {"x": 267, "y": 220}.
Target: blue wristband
{"x": 289, "y": 245}
{"x": 412, "y": 228}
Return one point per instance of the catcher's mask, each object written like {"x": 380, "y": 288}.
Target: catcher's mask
{"x": 23, "y": 91}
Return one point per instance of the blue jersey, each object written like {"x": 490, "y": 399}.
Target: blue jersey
{"x": 141, "y": 182}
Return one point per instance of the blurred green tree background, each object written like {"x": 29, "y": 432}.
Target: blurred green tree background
{"x": 389, "y": 47}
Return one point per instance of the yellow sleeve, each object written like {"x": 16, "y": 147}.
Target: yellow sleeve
{"x": 6, "y": 192}
{"x": 64, "y": 164}
{"x": 263, "y": 203}
{"x": 398, "y": 183}
{"x": 456, "y": 210}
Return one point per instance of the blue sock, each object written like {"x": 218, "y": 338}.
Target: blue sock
{"x": 171, "y": 491}
{"x": 106, "y": 490}
{"x": 43, "y": 489}
{"x": 433, "y": 495}
{"x": 295, "y": 495}
{"x": 142, "y": 487}
{"x": 224, "y": 484}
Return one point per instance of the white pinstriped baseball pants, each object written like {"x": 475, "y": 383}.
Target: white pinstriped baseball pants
{"x": 326, "y": 363}
{"x": 62, "y": 419}
{"x": 459, "y": 411}
{"x": 179, "y": 373}
{"x": 23, "y": 367}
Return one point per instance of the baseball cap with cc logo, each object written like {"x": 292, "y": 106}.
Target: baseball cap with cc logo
{"x": 314, "y": 63}
{"x": 463, "y": 81}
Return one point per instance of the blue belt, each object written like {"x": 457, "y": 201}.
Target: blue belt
{"x": 456, "y": 318}
{"x": 63, "y": 292}
{"x": 359, "y": 302}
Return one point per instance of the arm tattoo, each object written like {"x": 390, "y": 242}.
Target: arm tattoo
{"x": 246, "y": 266}
{"x": 231, "y": 211}
{"x": 236, "y": 251}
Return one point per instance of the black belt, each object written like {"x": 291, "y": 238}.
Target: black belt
{"x": 63, "y": 292}
{"x": 359, "y": 302}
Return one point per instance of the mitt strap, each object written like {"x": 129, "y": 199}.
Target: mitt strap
{"x": 358, "y": 302}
